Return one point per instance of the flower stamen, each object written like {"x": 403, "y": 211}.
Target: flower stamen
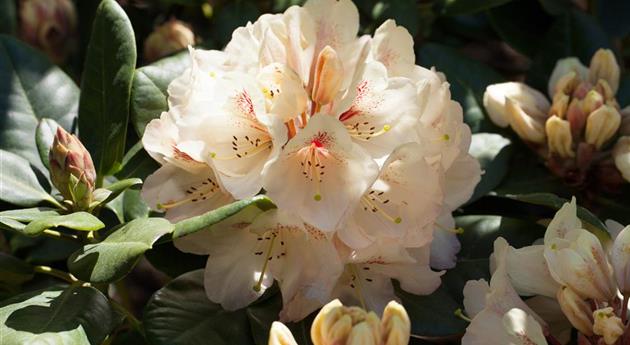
{"x": 268, "y": 256}
{"x": 361, "y": 131}
{"x": 199, "y": 192}
{"x": 370, "y": 204}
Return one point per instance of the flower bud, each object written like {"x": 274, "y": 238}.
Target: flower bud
{"x": 608, "y": 325}
{"x": 559, "y": 137}
{"x": 621, "y": 155}
{"x": 562, "y": 68}
{"x": 559, "y": 105}
{"x": 601, "y": 125}
{"x": 71, "y": 169}
{"x": 167, "y": 38}
{"x": 531, "y": 100}
{"x": 604, "y": 66}
{"x": 527, "y": 127}
{"x": 396, "y": 325}
{"x": 592, "y": 101}
{"x": 49, "y": 25}
{"x": 620, "y": 260}
{"x": 361, "y": 335}
{"x": 284, "y": 94}
{"x": 603, "y": 88}
{"x": 576, "y": 117}
{"x": 328, "y": 76}
{"x": 577, "y": 311}
{"x": 280, "y": 335}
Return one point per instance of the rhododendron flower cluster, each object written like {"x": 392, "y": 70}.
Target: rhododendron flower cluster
{"x": 575, "y": 282}
{"x": 363, "y": 152}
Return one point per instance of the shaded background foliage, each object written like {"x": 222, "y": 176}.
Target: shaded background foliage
{"x": 474, "y": 42}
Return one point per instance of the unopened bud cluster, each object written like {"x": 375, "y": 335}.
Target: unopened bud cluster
{"x": 72, "y": 170}
{"x": 172, "y": 36}
{"x": 581, "y": 123}
{"x": 340, "y": 325}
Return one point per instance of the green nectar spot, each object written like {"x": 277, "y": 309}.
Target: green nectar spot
{"x": 386, "y": 128}
{"x": 398, "y": 220}
{"x": 446, "y": 137}
{"x": 213, "y": 154}
{"x": 317, "y": 197}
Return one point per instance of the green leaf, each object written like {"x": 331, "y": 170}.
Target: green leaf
{"x": 458, "y": 7}
{"x": 148, "y": 92}
{"x": 106, "y": 87}
{"x": 172, "y": 261}
{"x": 114, "y": 258}
{"x": 230, "y": 16}
{"x": 82, "y": 221}
{"x": 468, "y": 81}
{"x": 11, "y": 224}
{"x": 137, "y": 163}
{"x": 8, "y": 17}
{"x": 14, "y": 271}
{"x": 194, "y": 224}
{"x": 18, "y": 182}
{"x": 493, "y": 152}
{"x": 614, "y": 16}
{"x": 134, "y": 206}
{"x": 77, "y": 315}
{"x": 623, "y": 94}
{"x": 404, "y": 12}
{"x": 181, "y": 314}
{"x": 44, "y": 137}
{"x": 32, "y": 88}
{"x": 573, "y": 34}
{"x": 27, "y": 215}
{"x": 118, "y": 187}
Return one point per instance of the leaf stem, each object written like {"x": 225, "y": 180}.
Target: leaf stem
{"x": 60, "y": 235}
{"x": 56, "y": 273}
{"x": 133, "y": 321}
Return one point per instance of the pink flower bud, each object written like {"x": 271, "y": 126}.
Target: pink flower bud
{"x": 168, "y": 38}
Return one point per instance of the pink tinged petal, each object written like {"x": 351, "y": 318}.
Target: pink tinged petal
{"x": 183, "y": 194}
{"x": 379, "y": 112}
{"x": 529, "y": 273}
{"x": 460, "y": 181}
{"x": 475, "y": 292}
{"x": 336, "y": 22}
{"x": 549, "y": 310}
{"x": 523, "y": 328}
{"x": 320, "y": 173}
{"x": 433, "y": 94}
{"x": 620, "y": 259}
{"x": 564, "y": 221}
{"x": 393, "y": 47}
{"x": 358, "y": 285}
{"x": 486, "y": 329}
{"x": 445, "y": 245}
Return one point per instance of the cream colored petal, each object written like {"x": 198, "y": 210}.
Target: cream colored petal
{"x": 564, "y": 66}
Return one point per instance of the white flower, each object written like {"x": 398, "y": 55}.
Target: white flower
{"x": 608, "y": 325}
{"x": 531, "y": 101}
{"x": 620, "y": 259}
{"x": 366, "y": 280}
{"x": 621, "y": 155}
{"x": 247, "y": 251}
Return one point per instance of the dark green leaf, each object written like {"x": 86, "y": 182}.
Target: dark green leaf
{"x": 106, "y": 87}
{"x": 14, "y": 271}
{"x": 18, "y": 182}
{"x": 468, "y": 81}
{"x": 457, "y": 7}
{"x": 77, "y": 315}
{"x": 557, "y": 7}
{"x": 148, "y": 93}
{"x": 113, "y": 258}
{"x": 134, "y": 206}
{"x": 82, "y": 221}
{"x": 116, "y": 188}
{"x": 44, "y": 137}
{"x": 8, "y": 17}
{"x": 614, "y": 16}
{"x": 623, "y": 94}
{"x": 181, "y": 314}
{"x": 493, "y": 152}
{"x": 404, "y": 12}
{"x": 232, "y": 15}
{"x": 573, "y": 34}
{"x": 32, "y": 88}
{"x": 194, "y": 224}
{"x": 137, "y": 163}
{"x": 172, "y": 261}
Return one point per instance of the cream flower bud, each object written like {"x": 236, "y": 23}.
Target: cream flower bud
{"x": 592, "y": 101}
{"x": 280, "y": 335}
{"x": 527, "y": 127}
{"x": 328, "y": 76}
{"x": 529, "y": 99}
{"x": 361, "y": 334}
{"x": 608, "y": 325}
{"x": 576, "y": 310}
{"x": 621, "y": 155}
{"x": 620, "y": 259}
{"x": 605, "y": 90}
{"x": 564, "y": 67}
{"x": 559, "y": 105}
{"x": 49, "y": 25}
{"x": 604, "y": 66}
{"x": 568, "y": 84}
{"x": 71, "y": 169}
{"x": 559, "y": 137}
{"x": 396, "y": 325}
{"x": 167, "y": 38}
{"x": 601, "y": 125}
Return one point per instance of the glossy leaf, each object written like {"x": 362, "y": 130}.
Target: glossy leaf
{"x": 468, "y": 80}
{"x": 32, "y": 88}
{"x": 113, "y": 190}
{"x": 493, "y": 152}
{"x": 114, "y": 257}
{"x": 148, "y": 92}
{"x": 181, "y": 314}
{"x": 27, "y": 215}
{"x": 82, "y": 221}
{"x": 44, "y": 137}
{"x": 106, "y": 87}
{"x": 18, "y": 182}
{"x": 76, "y": 315}
{"x": 14, "y": 271}
{"x": 194, "y": 224}
{"x": 8, "y": 17}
